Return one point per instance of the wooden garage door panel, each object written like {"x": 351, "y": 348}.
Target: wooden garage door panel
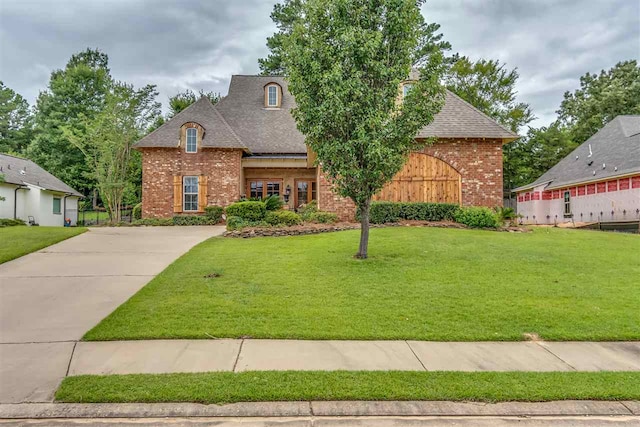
{"x": 423, "y": 179}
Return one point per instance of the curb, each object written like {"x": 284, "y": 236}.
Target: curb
{"x": 318, "y": 409}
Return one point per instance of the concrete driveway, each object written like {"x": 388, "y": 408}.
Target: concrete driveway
{"x": 50, "y": 298}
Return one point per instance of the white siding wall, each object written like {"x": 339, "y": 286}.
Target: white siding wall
{"x": 37, "y": 203}
{"x": 620, "y": 205}
{"x": 46, "y": 215}
{"x": 6, "y": 206}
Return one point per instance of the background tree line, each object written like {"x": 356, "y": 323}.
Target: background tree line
{"x": 83, "y": 126}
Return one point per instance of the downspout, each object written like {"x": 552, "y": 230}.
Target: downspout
{"x": 15, "y": 200}
{"x": 64, "y": 209}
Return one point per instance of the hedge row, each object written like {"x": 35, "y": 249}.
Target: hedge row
{"x": 383, "y": 212}
{"x": 10, "y": 222}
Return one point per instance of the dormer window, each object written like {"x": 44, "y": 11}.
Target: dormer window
{"x": 406, "y": 88}
{"x": 272, "y": 95}
{"x": 191, "y": 145}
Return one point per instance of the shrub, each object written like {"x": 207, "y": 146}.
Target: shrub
{"x": 192, "y": 220}
{"x": 273, "y": 203}
{"x": 477, "y": 217}
{"x": 282, "y": 217}
{"x": 153, "y": 221}
{"x": 214, "y": 213}
{"x": 322, "y": 217}
{"x": 383, "y": 212}
{"x": 235, "y": 223}
{"x": 505, "y": 214}
{"x": 137, "y": 211}
{"x": 248, "y": 211}
{"x": 9, "y": 222}
{"x": 429, "y": 211}
{"x": 305, "y": 211}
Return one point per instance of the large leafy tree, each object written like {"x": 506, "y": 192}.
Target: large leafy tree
{"x": 490, "y": 87}
{"x": 286, "y": 14}
{"x": 106, "y": 139}
{"x": 74, "y": 95}
{"x": 16, "y": 124}
{"x": 538, "y": 151}
{"x": 345, "y": 60}
{"x": 600, "y": 99}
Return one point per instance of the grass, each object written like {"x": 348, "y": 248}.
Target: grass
{"x": 20, "y": 240}
{"x": 229, "y": 387}
{"x": 419, "y": 283}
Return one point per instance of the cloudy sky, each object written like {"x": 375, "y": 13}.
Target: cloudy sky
{"x": 199, "y": 44}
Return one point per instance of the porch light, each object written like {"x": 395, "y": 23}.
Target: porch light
{"x": 287, "y": 193}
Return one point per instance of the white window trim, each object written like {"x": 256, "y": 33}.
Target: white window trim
{"x": 186, "y": 141}
{"x": 184, "y": 194}
{"x": 566, "y": 202}
{"x": 269, "y": 98}
{"x": 53, "y": 205}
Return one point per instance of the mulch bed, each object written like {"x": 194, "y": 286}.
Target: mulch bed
{"x": 298, "y": 230}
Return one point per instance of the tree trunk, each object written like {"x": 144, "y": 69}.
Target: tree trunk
{"x": 364, "y": 230}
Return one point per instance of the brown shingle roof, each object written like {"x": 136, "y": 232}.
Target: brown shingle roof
{"x": 263, "y": 130}
{"x": 218, "y": 133}
{"x": 459, "y": 119}
{"x": 240, "y": 120}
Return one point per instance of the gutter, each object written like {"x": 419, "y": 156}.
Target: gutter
{"x": 530, "y": 186}
{"x": 64, "y": 209}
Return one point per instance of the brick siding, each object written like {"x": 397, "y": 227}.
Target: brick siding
{"x": 159, "y": 165}
{"x": 332, "y": 202}
{"x": 479, "y": 162}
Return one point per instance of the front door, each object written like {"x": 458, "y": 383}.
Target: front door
{"x": 305, "y": 192}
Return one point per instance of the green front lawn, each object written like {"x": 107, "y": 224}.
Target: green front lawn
{"x": 420, "y": 283}
{"x": 21, "y": 240}
{"x": 228, "y": 387}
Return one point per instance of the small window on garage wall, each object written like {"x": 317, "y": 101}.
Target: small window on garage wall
{"x": 567, "y": 203}
{"x": 57, "y": 206}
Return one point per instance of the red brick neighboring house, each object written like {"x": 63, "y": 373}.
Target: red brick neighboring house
{"x": 248, "y": 145}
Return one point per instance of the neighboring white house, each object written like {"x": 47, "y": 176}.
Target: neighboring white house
{"x": 31, "y": 192}
{"x": 598, "y": 182}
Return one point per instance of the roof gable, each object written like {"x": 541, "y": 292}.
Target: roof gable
{"x": 613, "y": 151}
{"x": 217, "y": 134}
{"x": 459, "y": 119}
{"x": 263, "y": 130}
{"x": 19, "y": 171}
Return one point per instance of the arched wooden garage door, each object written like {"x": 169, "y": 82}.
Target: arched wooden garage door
{"x": 423, "y": 179}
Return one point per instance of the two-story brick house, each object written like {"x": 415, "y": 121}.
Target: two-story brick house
{"x": 247, "y": 145}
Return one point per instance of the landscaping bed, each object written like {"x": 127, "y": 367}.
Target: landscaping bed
{"x": 311, "y": 228}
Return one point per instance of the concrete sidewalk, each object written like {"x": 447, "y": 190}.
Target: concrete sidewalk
{"x": 50, "y": 298}
{"x": 167, "y": 356}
